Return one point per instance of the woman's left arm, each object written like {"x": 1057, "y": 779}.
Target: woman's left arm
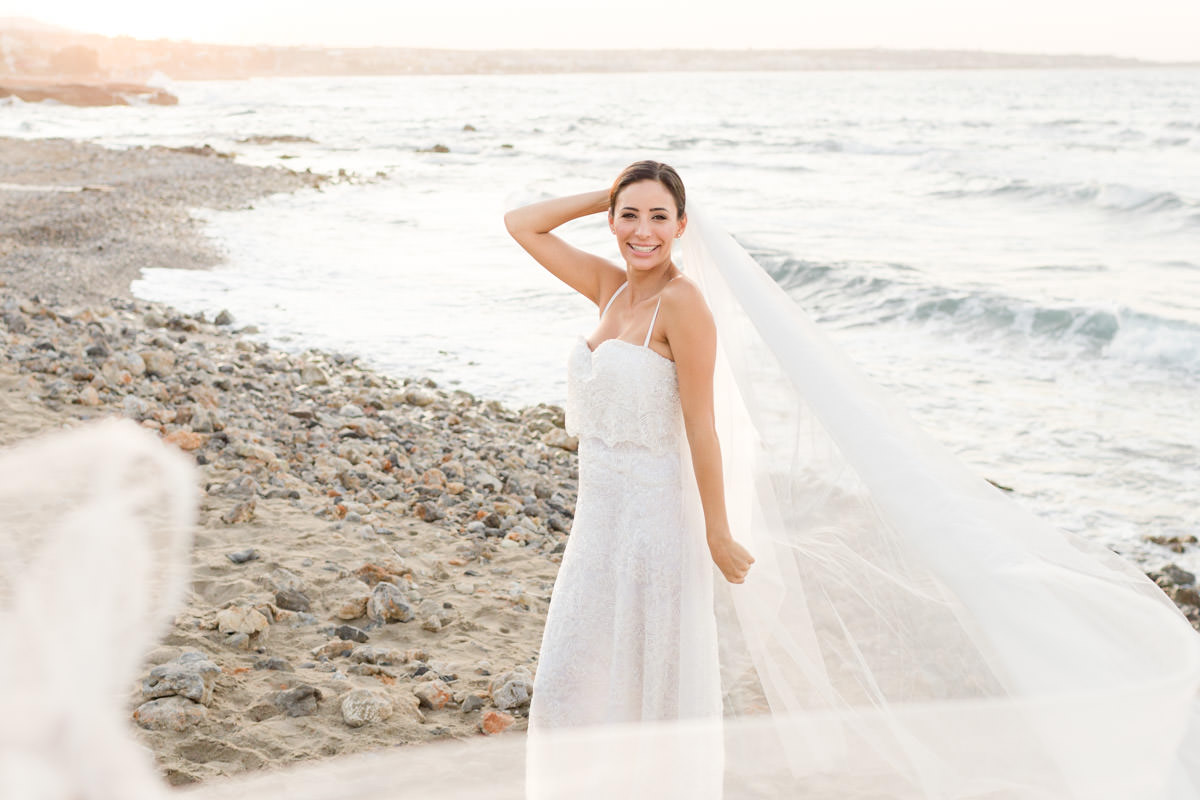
{"x": 693, "y": 339}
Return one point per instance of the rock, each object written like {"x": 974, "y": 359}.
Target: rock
{"x": 334, "y": 649}
{"x": 135, "y": 407}
{"x": 363, "y": 706}
{"x": 314, "y": 375}
{"x": 433, "y": 694}
{"x": 472, "y": 702}
{"x": 557, "y": 437}
{"x": 206, "y": 420}
{"x": 223, "y": 318}
{"x": 387, "y": 604}
{"x": 241, "y": 619}
{"x": 353, "y": 602}
{"x": 242, "y": 512}
{"x": 1178, "y": 575}
{"x": 434, "y": 616}
{"x": 184, "y": 440}
{"x": 437, "y": 148}
{"x": 493, "y": 722}
{"x": 428, "y": 512}
{"x": 292, "y": 600}
{"x": 159, "y": 363}
{"x": 274, "y": 663}
{"x": 170, "y": 714}
{"x": 512, "y": 689}
{"x": 350, "y": 633}
{"x": 191, "y": 676}
{"x": 242, "y": 556}
{"x": 417, "y": 395}
{"x": 377, "y": 655}
{"x": 299, "y": 701}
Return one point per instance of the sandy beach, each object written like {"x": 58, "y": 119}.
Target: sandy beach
{"x": 374, "y": 557}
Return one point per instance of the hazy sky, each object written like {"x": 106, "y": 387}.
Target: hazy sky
{"x": 1152, "y": 29}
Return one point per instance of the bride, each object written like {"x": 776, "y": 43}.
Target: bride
{"x": 630, "y": 633}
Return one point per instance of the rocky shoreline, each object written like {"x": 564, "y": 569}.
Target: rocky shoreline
{"x": 374, "y": 557}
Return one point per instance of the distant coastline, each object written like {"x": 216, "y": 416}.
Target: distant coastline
{"x": 29, "y": 49}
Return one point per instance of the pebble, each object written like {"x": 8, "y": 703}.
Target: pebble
{"x": 242, "y": 512}
{"x": 350, "y": 633}
{"x": 170, "y": 714}
{"x": 434, "y": 694}
{"x": 387, "y": 604}
{"x": 512, "y": 689}
{"x": 493, "y": 722}
{"x": 242, "y": 556}
{"x": 292, "y": 600}
{"x": 241, "y": 619}
{"x": 364, "y": 706}
{"x": 299, "y": 701}
{"x": 191, "y": 676}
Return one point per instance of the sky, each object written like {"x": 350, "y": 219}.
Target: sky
{"x": 1159, "y": 30}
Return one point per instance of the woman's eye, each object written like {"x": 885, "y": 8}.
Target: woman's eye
{"x": 659, "y": 218}
{"x": 627, "y": 216}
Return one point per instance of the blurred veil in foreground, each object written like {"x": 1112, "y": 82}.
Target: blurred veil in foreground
{"x": 906, "y": 631}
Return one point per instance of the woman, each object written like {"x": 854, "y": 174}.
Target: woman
{"x": 630, "y": 633}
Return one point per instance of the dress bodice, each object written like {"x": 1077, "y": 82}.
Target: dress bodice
{"x": 623, "y": 392}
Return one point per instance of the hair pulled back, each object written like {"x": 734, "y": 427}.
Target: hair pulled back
{"x": 649, "y": 171}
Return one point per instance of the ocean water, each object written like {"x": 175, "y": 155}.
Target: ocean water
{"x": 1014, "y": 254}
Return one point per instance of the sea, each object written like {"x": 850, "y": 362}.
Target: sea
{"x": 1014, "y": 255}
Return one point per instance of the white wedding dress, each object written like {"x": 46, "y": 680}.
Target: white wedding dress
{"x": 630, "y": 635}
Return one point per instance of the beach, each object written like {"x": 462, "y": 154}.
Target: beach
{"x": 374, "y": 556}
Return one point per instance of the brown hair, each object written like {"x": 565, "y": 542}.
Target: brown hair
{"x": 649, "y": 171}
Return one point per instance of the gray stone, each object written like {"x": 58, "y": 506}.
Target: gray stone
{"x": 387, "y": 604}
{"x": 472, "y": 702}
{"x": 512, "y": 689}
{"x": 292, "y": 600}
{"x": 313, "y": 375}
{"x": 1178, "y": 575}
{"x": 242, "y": 556}
{"x": 299, "y": 701}
{"x": 170, "y": 714}
{"x": 363, "y": 706}
{"x": 274, "y": 663}
{"x": 191, "y": 676}
{"x": 224, "y": 317}
{"x": 419, "y": 396}
{"x": 349, "y": 633}
{"x": 160, "y": 363}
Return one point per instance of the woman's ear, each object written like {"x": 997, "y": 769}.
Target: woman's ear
{"x": 611, "y": 226}
{"x": 682, "y": 226}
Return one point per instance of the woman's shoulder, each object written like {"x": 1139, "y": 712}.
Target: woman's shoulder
{"x": 682, "y": 296}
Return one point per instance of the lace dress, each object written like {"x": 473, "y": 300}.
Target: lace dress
{"x": 630, "y": 633}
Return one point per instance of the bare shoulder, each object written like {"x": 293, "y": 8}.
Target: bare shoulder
{"x": 685, "y": 305}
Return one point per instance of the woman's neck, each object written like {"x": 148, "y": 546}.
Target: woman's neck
{"x": 645, "y": 283}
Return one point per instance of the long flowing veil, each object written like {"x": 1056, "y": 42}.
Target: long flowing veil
{"x": 906, "y": 631}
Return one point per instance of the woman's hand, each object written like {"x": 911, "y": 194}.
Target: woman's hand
{"x": 730, "y": 557}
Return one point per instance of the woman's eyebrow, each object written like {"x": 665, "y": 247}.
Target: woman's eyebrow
{"x": 631, "y": 208}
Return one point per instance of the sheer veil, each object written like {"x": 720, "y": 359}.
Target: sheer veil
{"x": 906, "y": 631}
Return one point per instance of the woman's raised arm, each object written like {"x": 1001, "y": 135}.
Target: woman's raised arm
{"x": 531, "y": 225}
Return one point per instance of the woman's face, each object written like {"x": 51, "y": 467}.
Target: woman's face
{"x": 645, "y": 223}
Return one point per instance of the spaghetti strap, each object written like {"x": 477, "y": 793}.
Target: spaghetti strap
{"x": 650, "y": 330}
{"x": 614, "y": 297}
